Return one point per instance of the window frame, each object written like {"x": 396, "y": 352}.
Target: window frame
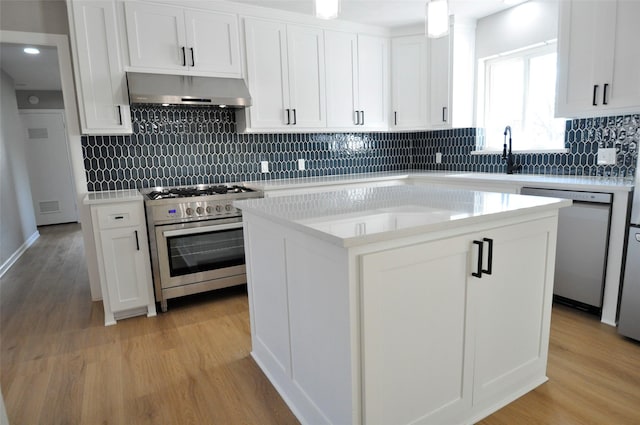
{"x": 484, "y": 76}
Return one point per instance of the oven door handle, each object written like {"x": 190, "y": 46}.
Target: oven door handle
{"x": 203, "y": 229}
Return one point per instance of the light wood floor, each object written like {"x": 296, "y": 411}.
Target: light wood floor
{"x": 60, "y": 365}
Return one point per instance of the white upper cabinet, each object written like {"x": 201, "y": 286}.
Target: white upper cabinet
{"x": 168, "y": 38}
{"x": 357, "y": 81}
{"x": 373, "y": 81}
{"x": 285, "y": 73}
{"x": 597, "y": 68}
{"x": 100, "y": 77}
{"x": 305, "y": 53}
{"x": 341, "y": 53}
{"x": 439, "y": 82}
{"x": 451, "y": 65}
{"x": 409, "y": 82}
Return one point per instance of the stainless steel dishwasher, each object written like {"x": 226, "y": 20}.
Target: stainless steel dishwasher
{"x": 581, "y": 250}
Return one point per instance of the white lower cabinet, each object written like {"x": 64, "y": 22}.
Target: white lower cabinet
{"x": 123, "y": 260}
{"x": 471, "y": 334}
{"x": 441, "y": 328}
{"x": 413, "y": 311}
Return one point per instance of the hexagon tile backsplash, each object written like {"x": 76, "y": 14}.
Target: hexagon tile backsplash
{"x": 173, "y": 146}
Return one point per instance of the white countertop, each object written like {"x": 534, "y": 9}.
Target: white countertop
{"x": 364, "y": 215}
{"x": 112, "y": 196}
{"x": 585, "y": 183}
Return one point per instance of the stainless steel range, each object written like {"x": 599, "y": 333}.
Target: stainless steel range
{"x": 196, "y": 240}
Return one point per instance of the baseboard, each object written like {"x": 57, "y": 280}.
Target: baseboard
{"x": 16, "y": 255}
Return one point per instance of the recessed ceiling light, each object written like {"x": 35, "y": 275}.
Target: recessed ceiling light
{"x": 31, "y": 51}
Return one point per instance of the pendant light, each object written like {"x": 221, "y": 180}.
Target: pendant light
{"x": 437, "y": 20}
{"x": 327, "y": 9}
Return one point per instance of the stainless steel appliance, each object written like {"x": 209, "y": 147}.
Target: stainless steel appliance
{"x": 629, "y": 318}
{"x": 581, "y": 250}
{"x": 187, "y": 90}
{"x": 195, "y": 238}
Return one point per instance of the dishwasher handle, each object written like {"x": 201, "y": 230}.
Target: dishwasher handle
{"x": 577, "y": 196}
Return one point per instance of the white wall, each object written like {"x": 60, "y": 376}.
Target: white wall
{"x": 48, "y": 99}
{"x": 17, "y": 218}
{"x": 44, "y": 16}
{"x": 520, "y": 26}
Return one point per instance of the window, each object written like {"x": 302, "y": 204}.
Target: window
{"x": 519, "y": 90}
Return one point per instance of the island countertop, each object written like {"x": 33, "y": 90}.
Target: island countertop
{"x": 360, "y": 216}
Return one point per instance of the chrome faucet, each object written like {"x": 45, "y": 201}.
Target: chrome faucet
{"x": 508, "y": 155}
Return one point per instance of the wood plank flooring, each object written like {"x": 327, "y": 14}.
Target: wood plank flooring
{"x": 60, "y": 365}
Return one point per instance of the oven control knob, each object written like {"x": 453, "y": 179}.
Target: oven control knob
{"x": 218, "y": 208}
{"x": 228, "y": 207}
{"x": 209, "y": 210}
{"x": 199, "y": 210}
{"x": 189, "y": 211}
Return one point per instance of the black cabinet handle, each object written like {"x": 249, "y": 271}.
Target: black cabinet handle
{"x": 288, "y": 116}
{"x": 444, "y": 114}
{"x": 595, "y": 93}
{"x": 489, "y": 256}
{"x": 295, "y": 118}
{"x": 478, "y": 273}
{"x": 120, "y": 114}
{"x": 184, "y": 56}
{"x": 362, "y": 120}
{"x": 193, "y": 58}
{"x": 137, "y": 242}
{"x": 395, "y": 118}
{"x": 604, "y": 94}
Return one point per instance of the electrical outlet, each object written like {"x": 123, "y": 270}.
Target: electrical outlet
{"x": 438, "y": 157}
{"x": 301, "y": 164}
{"x": 264, "y": 166}
{"x": 607, "y": 156}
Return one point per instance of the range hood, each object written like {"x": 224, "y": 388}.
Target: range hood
{"x": 187, "y": 90}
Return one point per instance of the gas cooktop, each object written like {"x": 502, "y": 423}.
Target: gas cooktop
{"x": 158, "y": 193}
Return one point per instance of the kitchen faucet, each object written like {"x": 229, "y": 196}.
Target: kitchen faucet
{"x": 508, "y": 155}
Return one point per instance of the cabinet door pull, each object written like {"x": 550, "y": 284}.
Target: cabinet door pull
{"x": 395, "y": 117}
{"x": 478, "y": 273}
{"x": 595, "y": 94}
{"x": 120, "y": 114}
{"x": 489, "y": 256}
{"x": 193, "y": 57}
{"x": 137, "y": 242}
{"x": 356, "y": 118}
{"x": 295, "y": 118}
{"x": 288, "y": 116}
{"x": 362, "y": 120}
{"x": 444, "y": 114}
{"x": 604, "y": 94}
{"x": 184, "y": 56}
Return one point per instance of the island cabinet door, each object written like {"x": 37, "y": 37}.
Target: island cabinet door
{"x": 416, "y": 364}
{"x": 510, "y": 310}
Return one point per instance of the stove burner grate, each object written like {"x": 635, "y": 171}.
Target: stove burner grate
{"x": 189, "y": 192}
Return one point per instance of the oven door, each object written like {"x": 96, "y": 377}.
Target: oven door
{"x": 200, "y": 251}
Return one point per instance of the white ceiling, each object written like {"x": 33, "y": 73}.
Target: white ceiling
{"x": 387, "y": 13}
{"x": 31, "y": 72}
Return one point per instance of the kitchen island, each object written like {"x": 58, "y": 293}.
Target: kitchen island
{"x": 403, "y": 304}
